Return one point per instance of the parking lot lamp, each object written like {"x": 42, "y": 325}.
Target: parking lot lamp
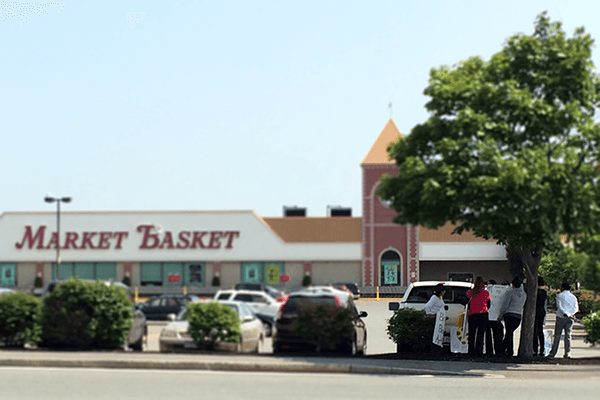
{"x": 57, "y": 200}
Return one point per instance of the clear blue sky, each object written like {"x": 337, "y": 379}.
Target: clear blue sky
{"x": 202, "y": 105}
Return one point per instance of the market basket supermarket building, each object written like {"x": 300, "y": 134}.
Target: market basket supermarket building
{"x": 172, "y": 251}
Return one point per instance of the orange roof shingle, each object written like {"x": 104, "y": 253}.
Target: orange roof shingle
{"x": 317, "y": 229}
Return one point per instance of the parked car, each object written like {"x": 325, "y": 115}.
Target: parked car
{"x": 175, "y": 335}
{"x": 263, "y": 305}
{"x": 6, "y": 290}
{"x": 261, "y": 287}
{"x": 349, "y": 286}
{"x": 285, "y": 337}
{"x": 159, "y": 307}
{"x": 418, "y": 294}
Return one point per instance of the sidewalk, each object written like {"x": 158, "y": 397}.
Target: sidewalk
{"x": 289, "y": 364}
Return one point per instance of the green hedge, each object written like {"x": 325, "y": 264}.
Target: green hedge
{"x": 81, "y": 314}
{"x": 411, "y": 330}
{"x": 326, "y": 326}
{"x": 20, "y": 315}
{"x": 211, "y": 323}
{"x": 592, "y": 328}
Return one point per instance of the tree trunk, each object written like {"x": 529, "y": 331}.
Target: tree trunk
{"x": 530, "y": 259}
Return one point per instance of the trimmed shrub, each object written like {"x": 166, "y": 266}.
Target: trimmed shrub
{"x": 588, "y": 302}
{"x": 20, "y": 315}
{"x": 592, "y": 328}
{"x": 411, "y": 330}
{"x": 79, "y": 314}
{"x": 327, "y": 326}
{"x": 211, "y": 323}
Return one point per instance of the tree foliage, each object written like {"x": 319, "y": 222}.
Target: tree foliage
{"x": 589, "y": 273}
{"x": 562, "y": 265}
{"x": 510, "y": 149}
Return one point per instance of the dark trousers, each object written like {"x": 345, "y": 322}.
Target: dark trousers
{"x": 538, "y": 335}
{"x": 512, "y": 323}
{"x": 498, "y": 334}
{"x": 478, "y": 325}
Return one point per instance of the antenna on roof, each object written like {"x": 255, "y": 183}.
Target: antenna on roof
{"x": 390, "y": 108}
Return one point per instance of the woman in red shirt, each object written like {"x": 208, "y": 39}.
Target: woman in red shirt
{"x": 479, "y": 302}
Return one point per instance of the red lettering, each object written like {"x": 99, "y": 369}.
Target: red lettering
{"x": 149, "y": 240}
{"x": 120, "y": 237}
{"x": 53, "y": 243}
{"x": 29, "y": 239}
{"x": 215, "y": 240}
{"x": 183, "y": 240}
{"x": 71, "y": 240}
{"x": 167, "y": 241}
{"x": 197, "y": 240}
{"x": 104, "y": 240}
{"x": 230, "y": 235}
{"x": 86, "y": 242}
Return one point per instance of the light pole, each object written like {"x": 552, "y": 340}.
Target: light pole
{"x": 57, "y": 200}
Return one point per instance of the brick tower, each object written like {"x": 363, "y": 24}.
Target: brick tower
{"x": 390, "y": 251}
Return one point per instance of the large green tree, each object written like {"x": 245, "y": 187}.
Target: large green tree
{"x": 509, "y": 151}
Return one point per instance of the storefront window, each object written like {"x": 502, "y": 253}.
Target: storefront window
{"x": 7, "y": 275}
{"x": 90, "y": 271}
{"x": 390, "y": 268}
{"x": 195, "y": 274}
{"x": 259, "y": 272}
{"x": 172, "y": 274}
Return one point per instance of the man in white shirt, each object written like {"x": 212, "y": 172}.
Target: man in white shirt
{"x": 566, "y": 308}
{"x": 436, "y": 302}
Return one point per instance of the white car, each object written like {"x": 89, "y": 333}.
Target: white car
{"x": 175, "y": 335}
{"x": 418, "y": 294}
{"x": 264, "y": 306}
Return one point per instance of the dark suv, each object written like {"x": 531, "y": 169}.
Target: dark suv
{"x": 285, "y": 337}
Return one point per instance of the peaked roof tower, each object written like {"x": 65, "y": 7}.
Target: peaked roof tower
{"x": 378, "y": 153}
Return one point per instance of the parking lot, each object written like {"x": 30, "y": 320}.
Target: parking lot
{"x": 377, "y": 339}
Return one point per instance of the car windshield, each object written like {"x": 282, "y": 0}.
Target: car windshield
{"x": 422, "y": 294}
{"x": 295, "y": 301}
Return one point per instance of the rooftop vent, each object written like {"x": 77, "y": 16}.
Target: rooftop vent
{"x": 294, "y": 211}
{"x": 339, "y": 211}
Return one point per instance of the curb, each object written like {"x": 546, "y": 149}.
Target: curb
{"x": 231, "y": 366}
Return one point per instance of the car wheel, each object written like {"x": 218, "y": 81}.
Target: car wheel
{"x": 363, "y": 350}
{"x": 350, "y": 348}
{"x": 139, "y": 345}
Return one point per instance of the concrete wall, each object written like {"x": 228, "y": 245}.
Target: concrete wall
{"x": 25, "y": 276}
{"x": 324, "y": 273}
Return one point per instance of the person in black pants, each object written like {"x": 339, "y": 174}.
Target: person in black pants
{"x": 540, "y": 317}
{"x": 512, "y": 310}
{"x": 479, "y": 302}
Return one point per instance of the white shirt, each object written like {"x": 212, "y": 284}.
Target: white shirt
{"x": 434, "y": 305}
{"x": 566, "y": 304}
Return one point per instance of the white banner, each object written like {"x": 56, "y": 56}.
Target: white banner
{"x": 440, "y": 325}
{"x": 497, "y": 293}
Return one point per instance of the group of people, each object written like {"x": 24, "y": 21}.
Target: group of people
{"x": 497, "y": 333}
